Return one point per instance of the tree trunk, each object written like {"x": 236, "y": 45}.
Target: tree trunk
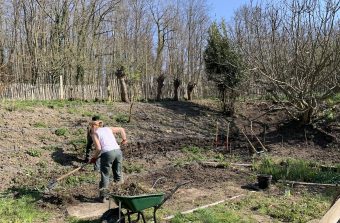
{"x": 160, "y": 85}
{"x": 123, "y": 86}
{"x": 306, "y": 116}
{"x": 177, "y": 83}
{"x": 190, "y": 88}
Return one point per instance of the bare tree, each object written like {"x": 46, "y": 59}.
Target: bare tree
{"x": 293, "y": 48}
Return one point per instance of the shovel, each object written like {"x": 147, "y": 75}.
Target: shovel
{"x": 54, "y": 181}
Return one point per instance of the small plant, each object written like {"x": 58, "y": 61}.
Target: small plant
{"x": 34, "y": 152}
{"x": 132, "y": 168}
{"x": 61, "y": 132}
{"x": 39, "y": 125}
{"x": 73, "y": 181}
{"x": 122, "y": 118}
{"x": 193, "y": 153}
{"x": 50, "y": 148}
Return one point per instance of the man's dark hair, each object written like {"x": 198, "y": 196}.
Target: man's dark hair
{"x": 96, "y": 118}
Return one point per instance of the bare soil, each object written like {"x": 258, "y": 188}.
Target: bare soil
{"x": 156, "y": 134}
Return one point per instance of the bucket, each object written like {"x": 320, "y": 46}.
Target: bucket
{"x": 264, "y": 181}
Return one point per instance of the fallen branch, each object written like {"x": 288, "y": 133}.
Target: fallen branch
{"x": 308, "y": 184}
{"x": 205, "y": 206}
{"x": 222, "y": 165}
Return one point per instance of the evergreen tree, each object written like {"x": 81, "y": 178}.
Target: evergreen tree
{"x": 222, "y": 65}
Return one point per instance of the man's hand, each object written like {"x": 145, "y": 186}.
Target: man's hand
{"x": 93, "y": 160}
{"x": 124, "y": 142}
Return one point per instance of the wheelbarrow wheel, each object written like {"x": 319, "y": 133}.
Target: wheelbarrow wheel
{"x": 112, "y": 216}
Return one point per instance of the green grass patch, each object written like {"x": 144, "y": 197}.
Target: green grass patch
{"x": 73, "y": 181}
{"x": 297, "y": 170}
{"x": 21, "y": 209}
{"x": 132, "y": 167}
{"x": 78, "y": 143}
{"x": 39, "y": 125}
{"x": 287, "y": 209}
{"x": 61, "y": 132}
{"x": 50, "y": 148}
{"x": 121, "y": 118}
{"x": 34, "y": 152}
{"x": 217, "y": 214}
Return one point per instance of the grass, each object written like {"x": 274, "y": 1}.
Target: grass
{"x": 61, "y": 132}
{"x": 217, "y": 214}
{"x": 34, "y": 152}
{"x": 77, "y": 180}
{"x": 21, "y": 209}
{"x": 121, "y": 118}
{"x": 39, "y": 125}
{"x": 129, "y": 167}
{"x": 299, "y": 208}
{"x": 297, "y": 170}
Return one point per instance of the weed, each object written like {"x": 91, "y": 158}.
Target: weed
{"x": 39, "y": 125}
{"x": 50, "y": 148}
{"x": 34, "y": 152}
{"x": 296, "y": 169}
{"x": 61, "y": 132}
{"x": 122, "y": 118}
{"x": 194, "y": 153}
{"x": 87, "y": 114}
{"x": 132, "y": 168}
{"x": 74, "y": 181}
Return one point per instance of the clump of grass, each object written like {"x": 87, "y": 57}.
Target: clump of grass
{"x": 50, "y": 148}
{"x": 217, "y": 214}
{"x": 39, "y": 125}
{"x": 287, "y": 209}
{"x": 21, "y": 209}
{"x": 61, "y": 132}
{"x": 122, "y": 118}
{"x": 193, "y": 153}
{"x": 73, "y": 181}
{"x": 297, "y": 170}
{"x": 34, "y": 152}
{"x": 132, "y": 168}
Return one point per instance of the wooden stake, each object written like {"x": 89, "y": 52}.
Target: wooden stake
{"x": 249, "y": 141}
{"x": 227, "y": 148}
{"x": 205, "y": 206}
{"x": 264, "y": 148}
{"x": 216, "y": 134}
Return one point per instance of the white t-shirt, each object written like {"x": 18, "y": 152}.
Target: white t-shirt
{"x": 107, "y": 140}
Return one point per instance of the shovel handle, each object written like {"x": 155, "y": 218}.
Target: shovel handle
{"x": 71, "y": 172}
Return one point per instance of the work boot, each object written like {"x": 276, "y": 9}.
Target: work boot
{"x": 103, "y": 195}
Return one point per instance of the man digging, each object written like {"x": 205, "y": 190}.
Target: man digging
{"x": 110, "y": 155}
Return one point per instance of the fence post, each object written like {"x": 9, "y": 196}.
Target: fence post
{"x": 61, "y": 87}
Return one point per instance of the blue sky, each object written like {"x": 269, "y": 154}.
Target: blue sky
{"x": 224, "y": 8}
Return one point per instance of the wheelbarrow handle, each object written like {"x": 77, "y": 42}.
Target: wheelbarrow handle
{"x": 167, "y": 197}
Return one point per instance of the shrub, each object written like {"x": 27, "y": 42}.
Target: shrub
{"x": 61, "y": 132}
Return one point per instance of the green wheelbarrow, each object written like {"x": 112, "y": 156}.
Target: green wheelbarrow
{"x": 137, "y": 204}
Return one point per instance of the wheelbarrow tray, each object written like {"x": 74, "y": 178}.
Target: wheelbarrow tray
{"x": 140, "y": 202}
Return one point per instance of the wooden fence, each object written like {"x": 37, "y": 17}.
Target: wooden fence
{"x": 143, "y": 90}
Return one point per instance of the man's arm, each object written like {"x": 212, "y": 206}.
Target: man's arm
{"x": 97, "y": 145}
{"x": 121, "y": 131}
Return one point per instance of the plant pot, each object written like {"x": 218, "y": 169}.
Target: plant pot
{"x": 264, "y": 180}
